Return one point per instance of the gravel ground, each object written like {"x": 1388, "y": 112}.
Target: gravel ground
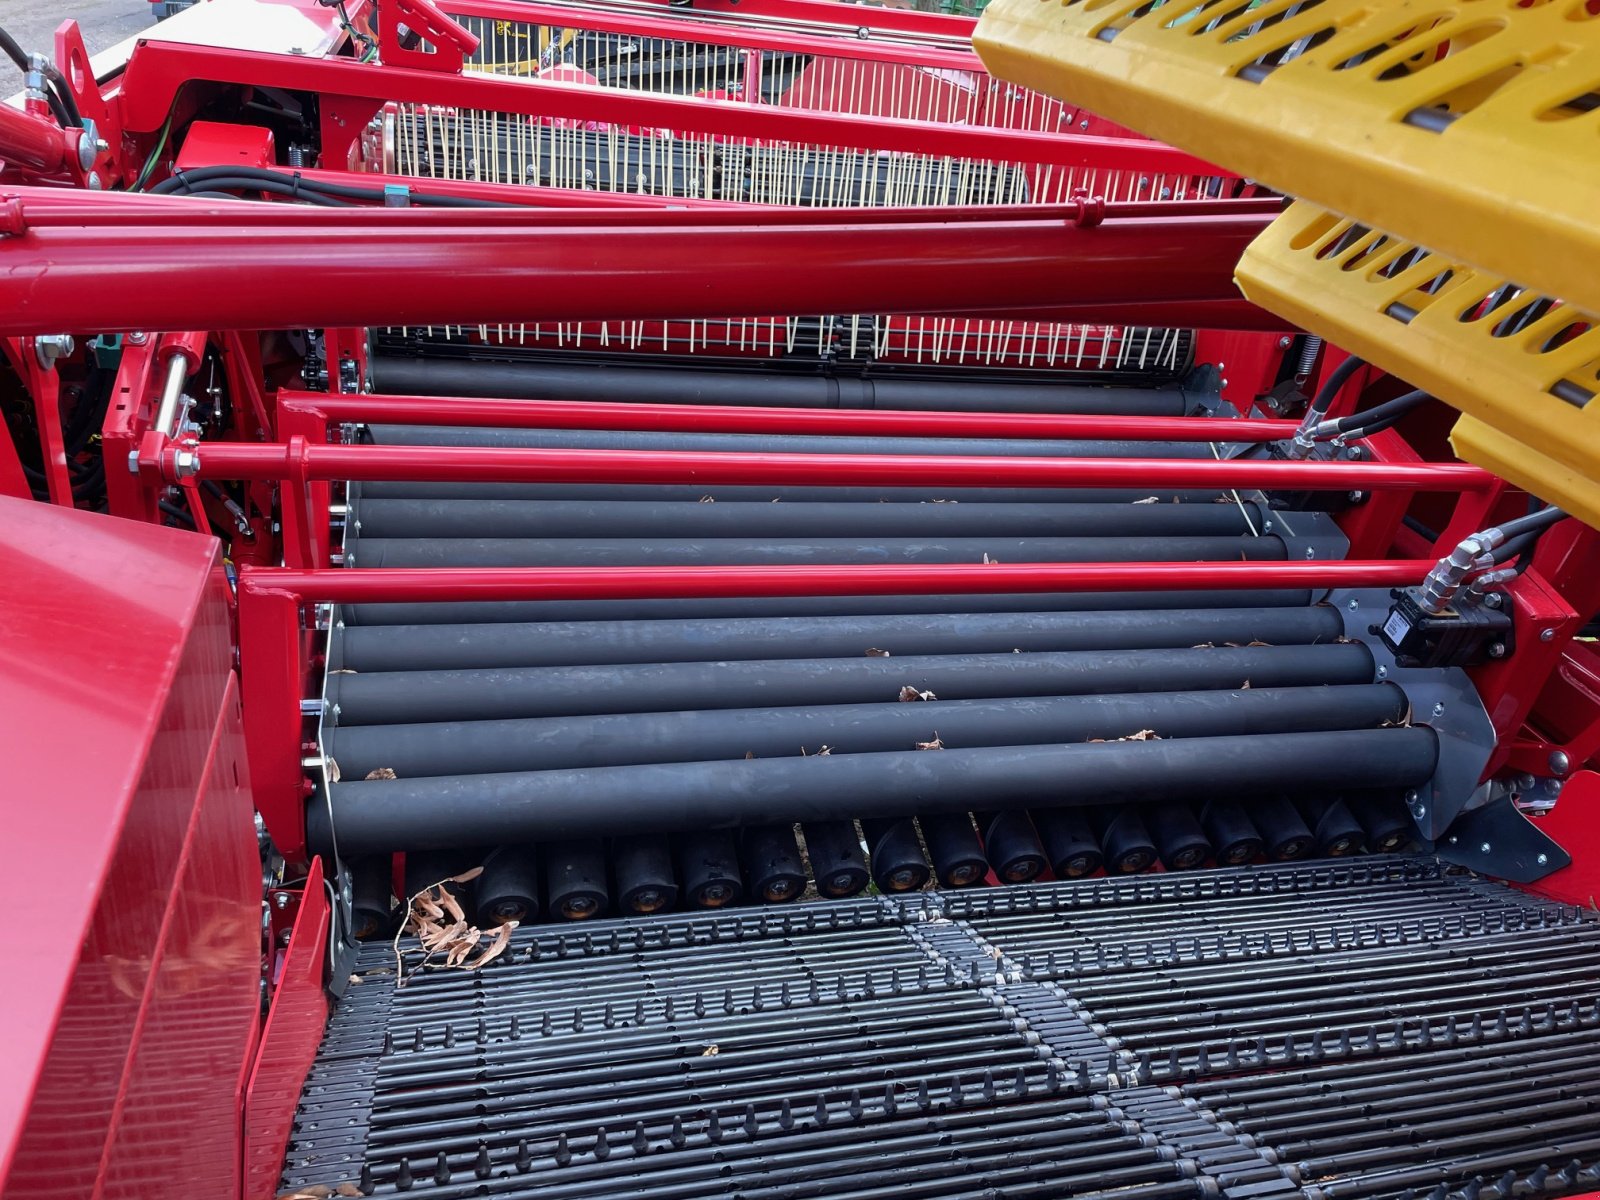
{"x": 104, "y": 24}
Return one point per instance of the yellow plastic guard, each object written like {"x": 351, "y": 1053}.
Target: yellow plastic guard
{"x": 1472, "y": 126}
{"x": 1523, "y": 368}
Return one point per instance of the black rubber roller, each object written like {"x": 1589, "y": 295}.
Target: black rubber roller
{"x": 773, "y": 870}
{"x": 1384, "y": 820}
{"x": 953, "y": 845}
{"x": 1233, "y": 836}
{"x": 1334, "y": 827}
{"x": 708, "y": 866}
{"x": 1124, "y": 840}
{"x": 1069, "y": 843}
{"x": 372, "y": 907}
{"x": 508, "y": 889}
{"x": 1180, "y": 841}
{"x": 838, "y": 861}
{"x": 575, "y": 880}
{"x": 1284, "y": 833}
{"x": 895, "y": 853}
{"x": 426, "y": 868}
{"x": 1012, "y": 846}
{"x": 642, "y": 872}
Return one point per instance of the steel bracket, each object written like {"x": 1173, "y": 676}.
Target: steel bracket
{"x": 1497, "y": 839}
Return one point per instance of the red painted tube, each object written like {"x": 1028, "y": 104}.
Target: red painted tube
{"x": 31, "y": 142}
{"x": 488, "y": 464}
{"x": 403, "y": 585}
{"x": 364, "y": 269}
{"x": 682, "y": 418}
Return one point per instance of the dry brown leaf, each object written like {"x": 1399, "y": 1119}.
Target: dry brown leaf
{"x": 909, "y": 694}
{"x": 343, "y": 671}
{"x": 499, "y": 940}
{"x": 874, "y": 652}
{"x": 710, "y": 1051}
{"x": 708, "y": 499}
{"x": 1258, "y": 643}
{"x": 1245, "y": 686}
{"x": 382, "y": 773}
{"x": 1144, "y": 735}
{"x": 333, "y": 770}
{"x": 936, "y": 744}
{"x": 1148, "y": 500}
{"x": 317, "y": 1191}
{"x": 451, "y": 906}
{"x": 348, "y": 1190}
{"x": 749, "y": 754}
{"x": 990, "y": 562}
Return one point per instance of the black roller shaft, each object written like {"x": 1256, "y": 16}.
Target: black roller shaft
{"x": 1180, "y": 841}
{"x": 383, "y": 698}
{"x": 1333, "y": 825}
{"x": 573, "y": 643}
{"x": 1012, "y": 846}
{"x": 838, "y": 863}
{"x": 529, "y": 611}
{"x": 372, "y": 912}
{"x": 678, "y": 385}
{"x": 508, "y": 889}
{"x": 1069, "y": 842}
{"x": 895, "y": 853}
{"x": 379, "y": 815}
{"x": 1384, "y": 820}
{"x": 682, "y": 552}
{"x": 1124, "y": 839}
{"x": 955, "y": 848}
{"x": 773, "y": 870}
{"x": 642, "y": 870}
{"x": 693, "y": 493}
{"x": 436, "y": 867}
{"x": 807, "y": 519}
{"x": 1230, "y": 831}
{"x": 775, "y": 443}
{"x": 575, "y": 879}
{"x": 553, "y": 743}
{"x": 708, "y": 865}
{"x": 1284, "y": 835}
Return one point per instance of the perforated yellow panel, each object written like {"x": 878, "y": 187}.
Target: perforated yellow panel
{"x": 1472, "y": 126}
{"x": 1523, "y": 368}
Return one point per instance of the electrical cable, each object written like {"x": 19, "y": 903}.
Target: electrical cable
{"x": 155, "y": 151}
{"x": 181, "y": 181}
{"x": 1380, "y": 416}
{"x": 1332, "y": 387}
{"x": 317, "y": 191}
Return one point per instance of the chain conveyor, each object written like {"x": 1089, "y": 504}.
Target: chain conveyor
{"x": 1381, "y": 1028}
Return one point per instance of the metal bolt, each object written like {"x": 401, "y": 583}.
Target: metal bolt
{"x": 1453, "y": 839}
{"x": 1310, "y": 552}
{"x": 48, "y": 347}
{"x": 1357, "y": 497}
{"x": 1438, "y": 709}
{"x": 1497, "y": 649}
{"x": 1284, "y": 343}
{"x": 185, "y": 463}
{"x": 280, "y": 899}
{"x": 133, "y": 462}
{"x": 1484, "y": 847}
{"x": 1383, "y": 672}
{"x": 1352, "y": 605}
{"x": 94, "y": 181}
{"x": 1547, "y": 635}
{"x": 1559, "y": 762}
{"x": 1543, "y": 859}
{"x": 1494, "y": 600}
{"x": 1267, "y": 527}
{"x": 137, "y": 339}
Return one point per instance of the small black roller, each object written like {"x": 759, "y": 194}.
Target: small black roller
{"x": 575, "y": 880}
{"x": 372, "y": 908}
{"x": 1333, "y": 826}
{"x": 838, "y": 861}
{"x": 1230, "y": 831}
{"x": 1179, "y": 839}
{"x": 953, "y": 845}
{"x": 1384, "y": 820}
{"x": 425, "y": 868}
{"x": 508, "y": 889}
{"x": 1069, "y": 843}
{"x": 898, "y": 864}
{"x": 773, "y": 870}
{"x": 1012, "y": 846}
{"x": 1284, "y": 834}
{"x": 1124, "y": 839}
{"x": 642, "y": 869}
{"x": 708, "y": 867}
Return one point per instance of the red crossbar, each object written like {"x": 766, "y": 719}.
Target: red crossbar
{"x": 300, "y": 460}
{"x": 386, "y": 585}
{"x": 686, "y": 418}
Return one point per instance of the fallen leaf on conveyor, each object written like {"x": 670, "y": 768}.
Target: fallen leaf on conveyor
{"x": 874, "y": 652}
{"x": 909, "y": 694}
{"x": 382, "y": 773}
{"x": 936, "y": 744}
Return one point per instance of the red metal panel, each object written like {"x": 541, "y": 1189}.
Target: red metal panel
{"x": 1575, "y": 825}
{"x": 215, "y": 144}
{"x": 115, "y": 658}
{"x": 203, "y": 997}
{"x": 289, "y": 1043}
{"x": 689, "y": 418}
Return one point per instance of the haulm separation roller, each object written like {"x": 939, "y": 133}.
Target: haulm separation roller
{"x": 616, "y": 599}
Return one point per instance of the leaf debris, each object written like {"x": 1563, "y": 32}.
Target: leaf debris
{"x": 382, "y": 773}
{"x": 874, "y": 652}
{"x": 446, "y": 938}
{"x": 909, "y": 694}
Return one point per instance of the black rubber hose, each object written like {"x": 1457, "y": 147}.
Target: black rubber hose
{"x": 572, "y": 643}
{"x": 403, "y": 696}
{"x": 625, "y": 518}
{"x": 1389, "y": 411}
{"x": 178, "y": 185}
{"x": 679, "y": 385}
{"x": 560, "y": 743}
{"x": 530, "y": 611}
{"x": 775, "y": 443}
{"x": 1532, "y": 523}
{"x": 61, "y": 95}
{"x": 300, "y": 184}
{"x": 1333, "y": 386}
{"x": 14, "y": 51}
{"x": 403, "y": 814}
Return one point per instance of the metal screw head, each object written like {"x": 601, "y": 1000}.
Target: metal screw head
{"x": 1311, "y": 552}
{"x": 48, "y": 347}
{"x": 185, "y": 463}
{"x": 280, "y": 899}
{"x": 1494, "y": 599}
{"x": 1547, "y": 635}
{"x": 1283, "y": 343}
{"x": 1497, "y": 649}
{"x": 1383, "y": 672}
{"x": 1484, "y": 847}
{"x": 1543, "y": 859}
{"x": 1438, "y": 709}
{"x": 1559, "y": 763}
{"x": 137, "y": 339}
{"x": 1352, "y": 605}
{"x": 1453, "y": 839}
